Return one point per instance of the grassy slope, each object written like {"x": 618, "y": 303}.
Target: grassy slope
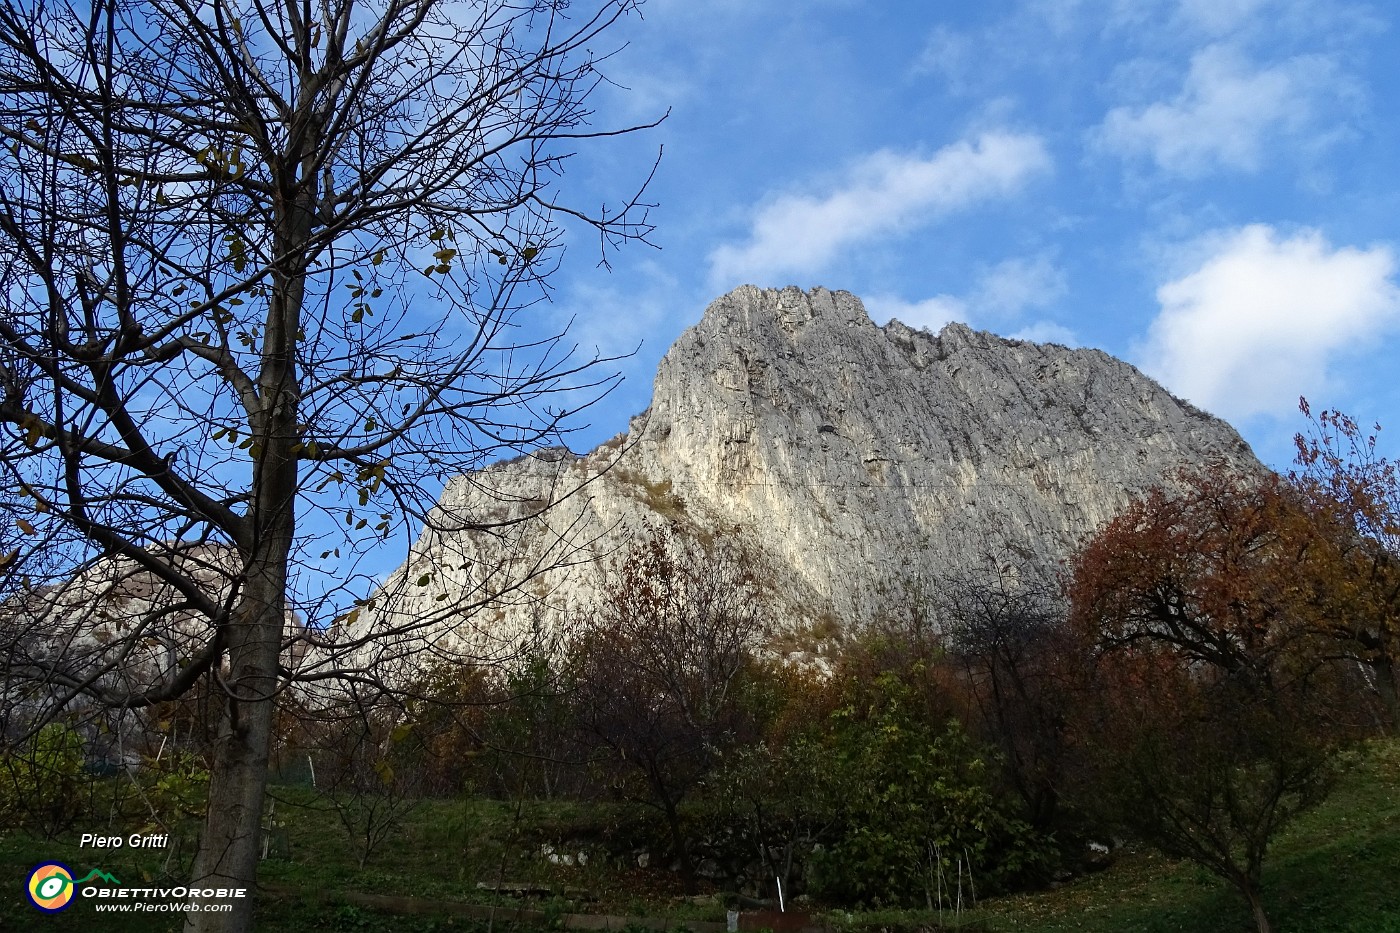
{"x": 1335, "y": 871}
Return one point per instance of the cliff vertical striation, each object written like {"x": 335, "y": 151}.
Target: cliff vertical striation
{"x": 842, "y": 456}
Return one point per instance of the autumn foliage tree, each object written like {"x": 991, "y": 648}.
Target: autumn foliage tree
{"x": 1352, "y": 543}
{"x": 658, "y": 675}
{"x": 1215, "y": 703}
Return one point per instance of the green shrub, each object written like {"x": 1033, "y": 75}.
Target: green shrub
{"x": 920, "y": 812}
{"x": 42, "y": 783}
{"x": 175, "y": 789}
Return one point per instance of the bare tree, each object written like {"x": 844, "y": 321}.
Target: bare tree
{"x": 261, "y": 263}
{"x": 366, "y": 774}
{"x": 1004, "y": 628}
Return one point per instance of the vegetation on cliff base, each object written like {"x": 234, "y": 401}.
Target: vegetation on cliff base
{"x": 1190, "y": 688}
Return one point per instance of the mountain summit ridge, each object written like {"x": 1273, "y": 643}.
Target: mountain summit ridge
{"x": 840, "y": 454}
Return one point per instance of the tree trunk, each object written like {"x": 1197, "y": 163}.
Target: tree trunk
{"x": 231, "y": 842}
{"x": 1251, "y": 892}
{"x": 1389, "y": 693}
{"x": 1261, "y": 921}
{"x": 673, "y": 820}
{"x": 230, "y": 846}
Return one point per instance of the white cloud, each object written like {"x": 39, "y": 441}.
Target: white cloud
{"x": 606, "y": 320}
{"x": 1218, "y": 17}
{"x": 883, "y": 194}
{"x": 1264, "y": 318}
{"x": 1227, "y": 113}
{"x": 1001, "y": 293}
{"x": 949, "y": 55}
{"x": 1016, "y": 285}
{"x": 1047, "y": 332}
{"x": 931, "y": 313}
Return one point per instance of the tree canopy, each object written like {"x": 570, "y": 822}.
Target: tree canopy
{"x": 263, "y": 264}
{"x": 1217, "y": 688}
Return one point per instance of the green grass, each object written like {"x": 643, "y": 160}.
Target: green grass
{"x": 19, "y": 855}
{"x": 1336, "y": 870}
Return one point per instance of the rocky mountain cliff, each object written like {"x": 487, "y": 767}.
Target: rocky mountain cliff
{"x": 840, "y": 455}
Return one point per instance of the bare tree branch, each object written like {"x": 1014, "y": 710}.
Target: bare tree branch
{"x": 262, "y": 265}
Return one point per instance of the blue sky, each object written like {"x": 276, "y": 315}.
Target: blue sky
{"x": 1206, "y": 188}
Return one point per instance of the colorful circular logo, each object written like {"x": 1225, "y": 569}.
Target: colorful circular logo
{"x": 50, "y": 887}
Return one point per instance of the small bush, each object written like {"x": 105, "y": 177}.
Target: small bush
{"x": 42, "y": 782}
{"x": 920, "y": 812}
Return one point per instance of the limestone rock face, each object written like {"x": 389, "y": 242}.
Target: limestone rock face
{"x": 839, "y": 455}
{"x": 120, "y": 628}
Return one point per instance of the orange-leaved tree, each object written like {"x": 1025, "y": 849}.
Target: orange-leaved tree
{"x": 1216, "y": 703}
{"x": 1353, "y": 548}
